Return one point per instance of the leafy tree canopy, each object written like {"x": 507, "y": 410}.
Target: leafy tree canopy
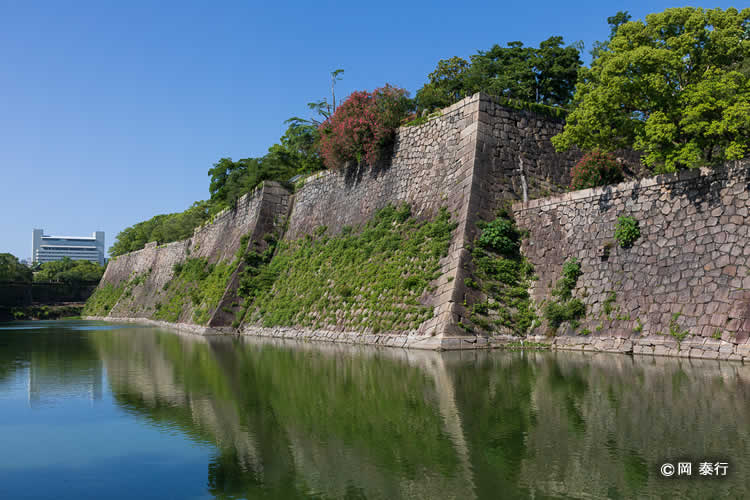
{"x": 12, "y": 270}
{"x": 545, "y": 75}
{"x": 675, "y": 87}
{"x": 296, "y": 153}
{"x": 69, "y": 271}
{"x": 162, "y": 228}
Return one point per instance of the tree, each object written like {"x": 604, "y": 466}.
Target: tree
{"x": 544, "y": 75}
{"x": 12, "y": 270}
{"x": 69, "y": 271}
{"x": 447, "y": 85}
{"x": 363, "y": 125}
{"x": 675, "y": 87}
{"x": 296, "y": 153}
{"x": 163, "y": 228}
{"x": 323, "y": 107}
{"x": 614, "y": 22}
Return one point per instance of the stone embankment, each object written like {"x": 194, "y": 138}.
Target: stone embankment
{"x": 682, "y": 289}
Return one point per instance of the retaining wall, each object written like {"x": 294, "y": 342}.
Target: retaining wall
{"x": 255, "y": 214}
{"x": 687, "y": 276}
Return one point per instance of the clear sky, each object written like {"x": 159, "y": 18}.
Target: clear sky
{"x": 112, "y": 112}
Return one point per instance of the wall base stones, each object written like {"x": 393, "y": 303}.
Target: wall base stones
{"x": 649, "y": 346}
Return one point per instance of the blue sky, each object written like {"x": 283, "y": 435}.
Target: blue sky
{"x": 112, "y": 112}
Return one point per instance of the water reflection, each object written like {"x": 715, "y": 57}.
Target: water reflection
{"x": 297, "y": 420}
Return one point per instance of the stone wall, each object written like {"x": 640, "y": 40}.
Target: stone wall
{"x": 470, "y": 159}
{"x": 257, "y": 213}
{"x": 684, "y": 284}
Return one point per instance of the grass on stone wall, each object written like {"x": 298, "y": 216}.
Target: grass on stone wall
{"x": 103, "y": 299}
{"x": 563, "y": 307}
{"x": 504, "y": 277}
{"x": 198, "y": 283}
{"x": 371, "y": 279}
{"x": 107, "y": 295}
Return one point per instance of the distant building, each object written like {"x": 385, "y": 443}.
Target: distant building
{"x": 48, "y": 248}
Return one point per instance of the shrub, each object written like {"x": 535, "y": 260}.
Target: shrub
{"x": 500, "y": 236}
{"x": 571, "y": 271}
{"x": 362, "y": 126}
{"x": 627, "y": 231}
{"x": 596, "y": 168}
{"x": 558, "y": 312}
{"x": 565, "y": 307}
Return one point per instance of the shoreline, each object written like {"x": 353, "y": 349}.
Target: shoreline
{"x": 661, "y": 346}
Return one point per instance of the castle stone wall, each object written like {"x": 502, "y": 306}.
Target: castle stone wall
{"x": 685, "y": 283}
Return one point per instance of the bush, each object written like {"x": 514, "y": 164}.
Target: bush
{"x": 627, "y": 231}
{"x": 596, "y": 168}
{"x": 557, "y": 313}
{"x": 362, "y": 126}
{"x": 500, "y": 236}
{"x": 565, "y": 307}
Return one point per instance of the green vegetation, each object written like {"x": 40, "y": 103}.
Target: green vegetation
{"x": 527, "y": 77}
{"x": 46, "y": 312}
{"x": 627, "y": 231}
{"x": 296, "y": 153}
{"x": 504, "y": 277}
{"x": 674, "y": 328}
{"x": 198, "y": 283}
{"x": 676, "y": 87}
{"x": 12, "y": 270}
{"x": 162, "y": 228}
{"x": 638, "y": 328}
{"x": 565, "y": 307}
{"x": 103, "y": 299}
{"x": 372, "y": 279}
{"x": 607, "y": 305}
{"x": 69, "y": 271}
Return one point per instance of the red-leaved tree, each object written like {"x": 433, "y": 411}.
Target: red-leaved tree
{"x": 362, "y": 126}
{"x": 596, "y": 168}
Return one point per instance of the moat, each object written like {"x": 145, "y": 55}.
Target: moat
{"x": 98, "y": 410}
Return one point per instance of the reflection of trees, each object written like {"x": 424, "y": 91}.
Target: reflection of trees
{"x": 294, "y": 420}
{"x": 61, "y": 361}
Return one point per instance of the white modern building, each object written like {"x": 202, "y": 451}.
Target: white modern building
{"x": 48, "y": 248}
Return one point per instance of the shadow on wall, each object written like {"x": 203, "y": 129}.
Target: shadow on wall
{"x": 354, "y": 173}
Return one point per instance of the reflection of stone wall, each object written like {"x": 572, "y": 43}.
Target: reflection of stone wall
{"x": 613, "y": 420}
{"x": 692, "y": 259}
{"x": 297, "y": 418}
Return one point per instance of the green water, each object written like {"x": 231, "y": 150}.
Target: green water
{"x": 95, "y": 410}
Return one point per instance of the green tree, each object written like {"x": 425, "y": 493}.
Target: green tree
{"x": 69, "y": 271}
{"x": 12, "y": 270}
{"x": 614, "y": 22}
{"x": 296, "y": 153}
{"x": 447, "y": 85}
{"x": 675, "y": 87}
{"x": 544, "y": 75}
{"x": 163, "y": 228}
